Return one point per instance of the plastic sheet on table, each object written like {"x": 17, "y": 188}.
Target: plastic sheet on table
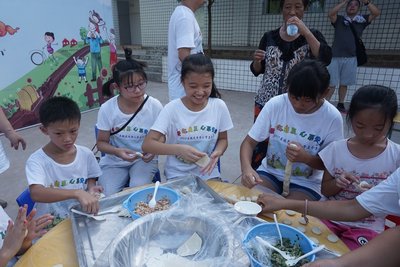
{"x": 155, "y": 238}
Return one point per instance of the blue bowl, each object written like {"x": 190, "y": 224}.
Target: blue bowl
{"x": 145, "y": 195}
{"x": 268, "y": 231}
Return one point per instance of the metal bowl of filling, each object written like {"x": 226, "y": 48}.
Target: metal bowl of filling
{"x": 172, "y": 239}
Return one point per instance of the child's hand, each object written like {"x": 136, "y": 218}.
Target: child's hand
{"x": 364, "y": 186}
{"x": 15, "y": 234}
{"x": 295, "y": 152}
{"x": 36, "y": 227}
{"x": 214, "y": 157}
{"x": 344, "y": 179}
{"x": 189, "y": 154}
{"x": 127, "y": 154}
{"x": 269, "y": 203}
{"x": 89, "y": 202}
{"x": 147, "y": 157}
{"x": 95, "y": 190}
{"x": 15, "y": 139}
{"x": 250, "y": 178}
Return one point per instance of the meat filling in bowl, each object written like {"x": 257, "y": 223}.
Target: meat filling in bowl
{"x": 142, "y": 208}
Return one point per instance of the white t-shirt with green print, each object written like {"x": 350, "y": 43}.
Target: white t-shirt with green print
{"x": 43, "y": 170}
{"x": 111, "y": 118}
{"x": 199, "y": 129}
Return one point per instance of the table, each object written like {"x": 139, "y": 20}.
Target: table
{"x": 226, "y": 190}
{"x": 57, "y": 246}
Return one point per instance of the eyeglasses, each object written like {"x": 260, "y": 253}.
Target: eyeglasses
{"x": 132, "y": 87}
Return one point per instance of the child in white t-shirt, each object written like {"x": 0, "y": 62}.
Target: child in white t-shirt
{"x": 380, "y": 200}
{"x": 16, "y": 237}
{"x": 301, "y": 117}
{"x": 360, "y": 162}
{"x": 124, "y": 162}
{"x": 61, "y": 171}
{"x": 195, "y": 126}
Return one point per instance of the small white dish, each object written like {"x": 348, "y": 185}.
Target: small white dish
{"x": 247, "y": 208}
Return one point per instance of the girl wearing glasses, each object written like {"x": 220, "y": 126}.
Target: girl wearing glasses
{"x": 124, "y": 162}
{"x": 195, "y": 126}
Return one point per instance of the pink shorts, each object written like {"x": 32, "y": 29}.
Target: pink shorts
{"x": 352, "y": 237}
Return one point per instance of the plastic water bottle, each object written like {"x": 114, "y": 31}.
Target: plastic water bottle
{"x": 292, "y": 29}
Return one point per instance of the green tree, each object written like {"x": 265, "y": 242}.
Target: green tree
{"x": 83, "y": 33}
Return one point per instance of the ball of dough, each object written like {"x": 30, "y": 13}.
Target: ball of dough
{"x": 287, "y": 221}
{"x": 316, "y": 230}
{"x": 302, "y": 221}
{"x": 290, "y": 212}
{"x": 333, "y": 238}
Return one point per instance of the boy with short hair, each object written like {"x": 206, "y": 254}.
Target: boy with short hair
{"x": 59, "y": 172}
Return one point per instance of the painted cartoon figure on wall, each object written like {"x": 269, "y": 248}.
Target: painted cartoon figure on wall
{"x": 94, "y": 40}
{"x": 49, "y": 39}
{"x": 81, "y": 65}
{"x": 113, "y": 48}
{"x": 96, "y": 19}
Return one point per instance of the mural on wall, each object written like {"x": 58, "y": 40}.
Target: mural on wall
{"x": 47, "y": 51}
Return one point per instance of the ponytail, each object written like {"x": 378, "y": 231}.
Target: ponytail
{"x": 106, "y": 90}
{"x": 124, "y": 68}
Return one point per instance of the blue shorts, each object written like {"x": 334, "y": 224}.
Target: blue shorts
{"x": 278, "y": 186}
{"x": 343, "y": 71}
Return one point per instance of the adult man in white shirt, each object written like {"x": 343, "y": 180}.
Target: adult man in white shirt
{"x": 184, "y": 38}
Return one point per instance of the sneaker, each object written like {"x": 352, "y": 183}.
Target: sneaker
{"x": 341, "y": 108}
{"x": 3, "y": 203}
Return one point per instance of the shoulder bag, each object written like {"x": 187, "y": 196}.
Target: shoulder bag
{"x": 131, "y": 118}
{"x": 361, "y": 54}
{"x": 126, "y": 123}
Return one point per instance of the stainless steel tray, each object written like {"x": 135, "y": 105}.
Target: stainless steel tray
{"x": 92, "y": 237}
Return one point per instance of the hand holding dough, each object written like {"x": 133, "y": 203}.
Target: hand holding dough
{"x": 203, "y": 161}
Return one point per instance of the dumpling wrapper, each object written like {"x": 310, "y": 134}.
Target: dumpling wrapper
{"x": 203, "y": 161}
{"x": 191, "y": 246}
